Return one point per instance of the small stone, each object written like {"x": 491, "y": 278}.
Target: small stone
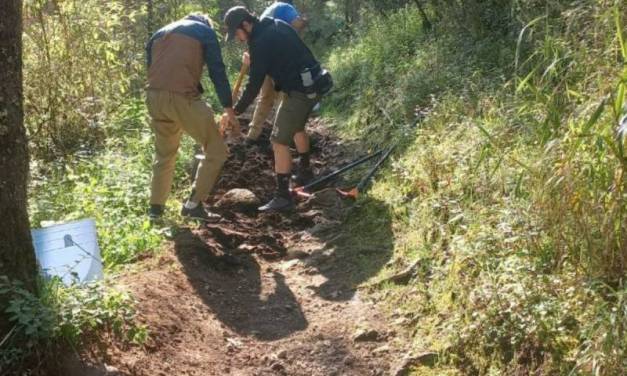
{"x": 277, "y": 367}
{"x": 382, "y": 349}
{"x": 364, "y": 335}
{"x": 296, "y": 254}
{"x": 281, "y": 354}
{"x": 409, "y": 360}
{"x": 111, "y": 370}
{"x": 289, "y": 264}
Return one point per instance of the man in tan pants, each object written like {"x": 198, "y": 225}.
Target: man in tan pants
{"x": 176, "y": 55}
{"x": 284, "y": 11}
{"x": 277, "y": 51}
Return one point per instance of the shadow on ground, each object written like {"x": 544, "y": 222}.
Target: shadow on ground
{"x": 240, "y": 294}
{"x": 357, "y": 249}
{"x": 221, "y": 260}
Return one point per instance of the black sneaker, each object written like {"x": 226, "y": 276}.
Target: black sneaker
{"x": 155, "y": 212}
{"x": 200, "y": 213}
{"x": 278, "y": 203}
{"x": 303, "y": 177}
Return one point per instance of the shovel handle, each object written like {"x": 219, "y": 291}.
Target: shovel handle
{"x": 238, "y": 84}
{"x": 340, "y": 171}
{"x": 240, "y": 79}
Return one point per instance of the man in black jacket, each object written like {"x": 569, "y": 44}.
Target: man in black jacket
{"x": 276, "y": 50}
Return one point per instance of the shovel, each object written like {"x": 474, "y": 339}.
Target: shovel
{"x": 238, "y": 84}
{"x": 304, "y": 191}
{"x": 363, "y": 183}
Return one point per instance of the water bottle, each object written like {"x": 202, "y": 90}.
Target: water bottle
{"x": 308, "y": 83}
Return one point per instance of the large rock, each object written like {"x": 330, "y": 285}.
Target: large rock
{"x": 239, "y": 198}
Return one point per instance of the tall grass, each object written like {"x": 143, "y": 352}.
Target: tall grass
{"x": 512, "y": 189}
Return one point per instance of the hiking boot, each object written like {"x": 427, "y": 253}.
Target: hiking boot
{"x": 155, "y": 212}
{"x": 278, "y": 203}
{"x": 303, "y": 177}
{"x": 200, "y": 213}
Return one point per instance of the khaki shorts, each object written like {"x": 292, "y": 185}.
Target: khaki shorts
{"x": 292, "y": 116}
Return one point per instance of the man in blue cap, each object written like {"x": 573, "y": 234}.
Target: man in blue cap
{"x": 284, "y": 11}
{"x": 276, "y": 50}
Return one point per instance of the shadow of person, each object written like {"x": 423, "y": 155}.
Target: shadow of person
{"x": 357, "y": 247}
{"x": 235, "y": 289}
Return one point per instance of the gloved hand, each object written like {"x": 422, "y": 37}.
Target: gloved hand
{"x": 229, "y": 121}
{"x": 246, "y": 59}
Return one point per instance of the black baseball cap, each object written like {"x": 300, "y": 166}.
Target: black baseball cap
{"x": 233, "y": 19}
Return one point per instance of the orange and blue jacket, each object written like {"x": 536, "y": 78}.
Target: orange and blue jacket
{"x": 176, "y": 55}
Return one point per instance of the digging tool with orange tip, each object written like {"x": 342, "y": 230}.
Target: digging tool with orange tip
{"x": 224, "y": 124}
{"x": 304, "y": 190}
{"x": 363, "y": 184}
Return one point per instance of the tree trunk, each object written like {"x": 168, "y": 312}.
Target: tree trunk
{"x": 17, "y": 258}
{"x": 150, "y": 19}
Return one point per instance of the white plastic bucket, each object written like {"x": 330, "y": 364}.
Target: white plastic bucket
{"x": 69, "y": 251}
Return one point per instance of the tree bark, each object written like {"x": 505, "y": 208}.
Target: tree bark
{"x": 150, "y": 19}
{"x": 17, "y": 258}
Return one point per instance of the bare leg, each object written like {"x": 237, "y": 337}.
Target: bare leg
{"x": 301, "y": 139}
{"x": 282, "y": 159}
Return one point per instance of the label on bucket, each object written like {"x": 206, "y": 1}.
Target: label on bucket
{"x": 69, "y": 251}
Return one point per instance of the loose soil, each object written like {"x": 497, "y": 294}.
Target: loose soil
{"x": 255, "y": 294}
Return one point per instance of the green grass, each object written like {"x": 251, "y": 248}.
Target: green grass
{"x": 511, "y": 191}
{"x": 112, "y": 186}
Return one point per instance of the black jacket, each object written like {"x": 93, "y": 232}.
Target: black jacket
{"x": 276, "y": 50}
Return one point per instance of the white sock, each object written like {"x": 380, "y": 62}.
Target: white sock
{"x": 190, "y": 205}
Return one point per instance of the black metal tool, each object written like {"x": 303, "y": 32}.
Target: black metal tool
{"x": 322, "y": 179}
{"x": 363, "y": 183}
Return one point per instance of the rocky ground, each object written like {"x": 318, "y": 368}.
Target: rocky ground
{"x": 256, "y": 294}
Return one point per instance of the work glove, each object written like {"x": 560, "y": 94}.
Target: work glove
{"x": 229, "y": 122}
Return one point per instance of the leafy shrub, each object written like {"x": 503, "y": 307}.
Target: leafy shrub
{"x": 111, "y": 186}
{"x": 61, "y": 316}
{"x": 80, "y": 61}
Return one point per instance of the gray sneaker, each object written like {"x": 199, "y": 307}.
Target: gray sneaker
{"x": 200, "y": 213}
{"x": 278, "y": 203}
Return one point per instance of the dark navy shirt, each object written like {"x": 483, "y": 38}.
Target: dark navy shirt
{"x": 277, "y": 51}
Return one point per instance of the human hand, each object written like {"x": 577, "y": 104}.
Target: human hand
{"x": 246, "y": 59}
{"x": 230, "y": 121}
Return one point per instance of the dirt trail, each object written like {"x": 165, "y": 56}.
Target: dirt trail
{"x": 257, "y": 294}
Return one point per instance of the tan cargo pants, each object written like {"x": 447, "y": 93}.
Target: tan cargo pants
{"x": 265, "y": 103}
{"x": 172, "y": 114}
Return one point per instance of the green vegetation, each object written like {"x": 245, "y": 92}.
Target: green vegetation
{"x": 511, "y": 195}
{"x": 59, "y": 315}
